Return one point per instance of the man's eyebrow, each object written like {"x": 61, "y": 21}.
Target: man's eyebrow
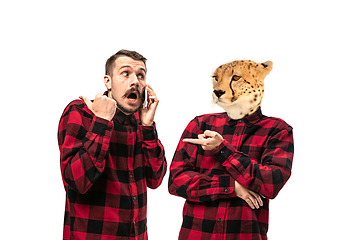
{"x": 128, "y": 66}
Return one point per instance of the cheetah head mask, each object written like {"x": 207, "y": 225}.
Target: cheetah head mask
{"x": 238, "y": 86}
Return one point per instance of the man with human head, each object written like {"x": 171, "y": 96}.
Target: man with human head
{"x": 110, "y": 153}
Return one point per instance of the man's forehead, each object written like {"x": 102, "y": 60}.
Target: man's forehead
{"x": 127, "y": 61}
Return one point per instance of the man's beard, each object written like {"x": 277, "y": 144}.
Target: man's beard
{"x": 140, "y": 96}
{"x": 126, "y": 111}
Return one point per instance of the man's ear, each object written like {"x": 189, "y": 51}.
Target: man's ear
{"x": 108, "y": 82}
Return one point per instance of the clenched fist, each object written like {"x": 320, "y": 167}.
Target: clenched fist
{"x": 102, "y": 106}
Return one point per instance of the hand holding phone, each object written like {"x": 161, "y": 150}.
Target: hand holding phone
{"x": 150, "y": 104}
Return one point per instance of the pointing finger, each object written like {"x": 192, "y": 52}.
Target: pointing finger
{"x": 194, "y": 141}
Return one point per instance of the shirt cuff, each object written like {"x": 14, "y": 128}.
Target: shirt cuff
{"x": 223, "y": 151}
{"x": 148, "y": 133}
{"x": 226, "y": 184}
{"x": 101, "y": 126}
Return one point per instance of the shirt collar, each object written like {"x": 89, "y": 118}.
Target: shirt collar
{"x": 121, "y": 117}
{"x": 249, "y": 120}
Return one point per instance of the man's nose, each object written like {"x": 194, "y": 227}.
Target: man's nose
{"x": 135, "y": 80}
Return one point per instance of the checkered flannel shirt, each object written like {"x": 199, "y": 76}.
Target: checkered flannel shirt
{"x": 106, "y": 166}
{"x": 257, "y": 151}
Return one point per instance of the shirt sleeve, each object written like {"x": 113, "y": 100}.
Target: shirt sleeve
{"x": 187, "y": 181}
{"x": 154, "y": 155}
{"x": 267, "y": 175}
{"x": 83, "y": 143}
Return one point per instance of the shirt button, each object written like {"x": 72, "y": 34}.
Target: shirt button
{"x": 226, "y": 190}
{"x": 240, "y": 121}
{"x": 135, "y": 198}
{"x": 237, "y": 134}
{"x": 222, "y": 151}
{"x": 131, "y": 176}
{"x": 219, "y": 219}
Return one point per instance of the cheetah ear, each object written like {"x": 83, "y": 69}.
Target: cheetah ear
{"x": 268, "y": 65}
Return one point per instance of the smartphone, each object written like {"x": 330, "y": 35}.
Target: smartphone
{"x": 144, "y": 105}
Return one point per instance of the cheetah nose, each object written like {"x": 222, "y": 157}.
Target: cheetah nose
{"x": 219, "y": 93}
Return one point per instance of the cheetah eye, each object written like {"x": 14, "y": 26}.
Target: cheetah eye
{"x": 215, "y": 78}
{"x": 235, "y": 78}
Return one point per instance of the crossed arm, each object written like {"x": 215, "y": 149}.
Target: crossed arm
{"x": 210, "y": 140}
{"x": 251, "y": 179}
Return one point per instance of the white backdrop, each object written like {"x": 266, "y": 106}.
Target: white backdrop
{"x": 53, "y": 51}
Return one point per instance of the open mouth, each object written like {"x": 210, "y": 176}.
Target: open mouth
{"x": 132, "y": 96}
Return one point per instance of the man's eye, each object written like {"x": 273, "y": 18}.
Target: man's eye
{"x": 236, "y": 78}
{"x": 215, "y": 78}
{"x": 141, "y": 76}
{"x": 125, "y": 74}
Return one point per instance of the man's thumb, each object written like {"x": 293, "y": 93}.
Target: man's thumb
{"x": 87, "y": 101}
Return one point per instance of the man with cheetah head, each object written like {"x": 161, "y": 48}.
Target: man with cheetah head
{"x": 229, "y": 165}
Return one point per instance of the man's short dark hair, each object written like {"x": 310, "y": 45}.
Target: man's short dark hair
{"x": 132, "y": 54}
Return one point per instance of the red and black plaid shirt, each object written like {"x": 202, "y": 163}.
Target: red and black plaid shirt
{"x": 257, "y": 151}
{"x": 106, "y": 167}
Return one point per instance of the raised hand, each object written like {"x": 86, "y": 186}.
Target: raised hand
{"x": 147, "y": 112}
{"x": 251, "y": 198}
{"x": 209, "y": 140}
{"x": 102, "y": 106}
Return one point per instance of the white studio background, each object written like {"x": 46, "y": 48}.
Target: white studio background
{"x": 53, "y": 51}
